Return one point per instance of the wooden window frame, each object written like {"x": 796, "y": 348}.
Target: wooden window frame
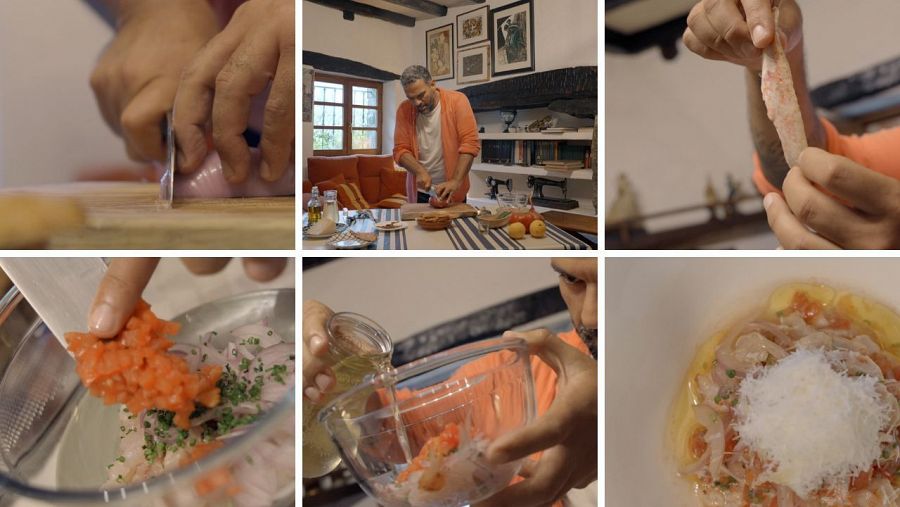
{"x": 348, "y": 84}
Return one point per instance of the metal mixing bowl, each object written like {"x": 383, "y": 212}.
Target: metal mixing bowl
{"x": 40, "y": 394}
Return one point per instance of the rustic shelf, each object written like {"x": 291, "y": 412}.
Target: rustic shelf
{"x": 533, "y": 170}
{"x": 536, "y": 136}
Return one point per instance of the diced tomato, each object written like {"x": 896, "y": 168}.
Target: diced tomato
{"x": 697, "y": 444}
{"x": 134, "y": 369}
{"x": 807, "y": 308}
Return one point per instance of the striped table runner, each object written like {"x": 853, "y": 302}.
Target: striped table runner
{"x": 387, "y": 240}
{"x": 464, "y": 235}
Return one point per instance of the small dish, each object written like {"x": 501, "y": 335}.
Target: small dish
{"x": 390, "y": 225}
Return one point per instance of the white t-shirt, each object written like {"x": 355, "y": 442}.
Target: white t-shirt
{"x": 431, "y": 150}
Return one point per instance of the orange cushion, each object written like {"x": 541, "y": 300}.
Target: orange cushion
{"x": 395, "y": 201}
{"x": 307, "y": 186}
{"x": 332, "y": 184}
{"x": 393, "y": 183}
{"x": 351, "y": 197}
{"x": 370, "y": 168}
{"x": 323, "y": 168}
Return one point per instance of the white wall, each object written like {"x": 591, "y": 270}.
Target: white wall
{"x": 408, "y": 295}
{"x": 565, "y": 35}
{"x": 50, "y": 126}
{"x": 672, "y": 124}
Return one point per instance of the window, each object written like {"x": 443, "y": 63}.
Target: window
{"x": 346, "y": 116}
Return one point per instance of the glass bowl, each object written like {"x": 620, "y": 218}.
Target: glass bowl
{"x": 56, "y": 441}
{"x": 443, "y": 413}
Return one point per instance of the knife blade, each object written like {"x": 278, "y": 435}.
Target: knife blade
{"x": 60, "y": 289}
{"x": 167, "y": 182}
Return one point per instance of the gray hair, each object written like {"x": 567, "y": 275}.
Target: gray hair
{"x": 414, "y": 73}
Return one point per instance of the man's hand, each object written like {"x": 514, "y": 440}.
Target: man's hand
{"x": 566, "y": 433}
{"x": 137, "y": 76}
{"x": 126, "y": 278}
{"x": 864, "y": 211}
{"x": 726, "y": 31}
{"x": 254, "y": 52}
{"x": 317, "y": 376}
{"x": 445, "y": 190}
{"x": 423, "y": 180}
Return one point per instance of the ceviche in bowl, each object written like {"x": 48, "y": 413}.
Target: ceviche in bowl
{"x": 417, "y": 436}
{"x": 196, "y": 411}
{"x": 770, "y": 382}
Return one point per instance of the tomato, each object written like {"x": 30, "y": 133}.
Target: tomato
{"x": 438, "y": 203}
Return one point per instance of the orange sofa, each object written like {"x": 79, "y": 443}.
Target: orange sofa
{"x": 362, "y": 181}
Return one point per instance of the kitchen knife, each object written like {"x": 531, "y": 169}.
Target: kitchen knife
{"x": 167, "y": 182}
{"x": 60, "y": 289}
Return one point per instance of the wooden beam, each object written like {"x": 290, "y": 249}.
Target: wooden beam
{"x": 367, "y": 10}
{"x": 425, "y": 6}
{"x": 328, "y": 63}
{"x": 537, "y": 89}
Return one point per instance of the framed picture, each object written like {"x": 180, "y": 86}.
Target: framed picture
{"x": 439, "y": 52}
{"x": 474, "y": 64}
{"x": 472, "y": 27}
{"x": 512, "y": 29}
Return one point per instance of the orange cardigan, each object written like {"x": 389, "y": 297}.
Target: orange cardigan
{"x": 459, "y": 134}
{"x": 879, "y": 151}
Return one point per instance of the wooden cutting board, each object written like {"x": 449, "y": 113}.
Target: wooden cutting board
{"x": 412, "y": 211}
{"x": 128, "y": 216}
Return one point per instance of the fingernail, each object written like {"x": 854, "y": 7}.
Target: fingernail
{"x": 749, "y": 49}
{"x": 323, "y": 381}
{"x": 102, "y": 320}
{"x": 768, "y": 200}
{"x": 265, "y": 172}
{"x": 759, "y": 33}
{"x": 312, "y": 393}
{"x": 227, "y": 171}
{"x": 316, "y": 342}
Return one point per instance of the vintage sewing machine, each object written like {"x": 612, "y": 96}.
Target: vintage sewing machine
{"x": 550, "y": 202}
{"x": 494, "y": 183}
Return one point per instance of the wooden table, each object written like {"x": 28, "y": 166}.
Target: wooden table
{"x": 462, "y": 234}
{"x": 129, "y": 216}
{"x": 572, "y": 221}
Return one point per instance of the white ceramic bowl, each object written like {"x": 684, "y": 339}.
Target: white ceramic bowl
{"x": 657, "y": 312}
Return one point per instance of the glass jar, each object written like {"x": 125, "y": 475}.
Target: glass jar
{"x": 357, "y": 347}
{"x": 330, "y": 208}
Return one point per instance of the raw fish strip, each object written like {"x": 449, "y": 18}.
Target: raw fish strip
{"x": 781, "y": 100}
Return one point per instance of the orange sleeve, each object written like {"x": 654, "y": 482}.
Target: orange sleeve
{"x": 466, "y": 127}
{"x": 404, "y": 133}
{"x": 878, "y": 151}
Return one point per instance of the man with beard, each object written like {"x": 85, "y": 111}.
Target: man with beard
{"x": 562, "y": 440}
{"x": 435, "y": 138}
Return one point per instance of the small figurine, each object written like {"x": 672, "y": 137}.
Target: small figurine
{"x": 625, "y": 207}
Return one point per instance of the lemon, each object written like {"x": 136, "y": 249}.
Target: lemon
{"x": 537, "y": 229}
{"x": 516, "y": 230}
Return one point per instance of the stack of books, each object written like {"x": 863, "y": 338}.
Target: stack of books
{"x": 563, "y": 165}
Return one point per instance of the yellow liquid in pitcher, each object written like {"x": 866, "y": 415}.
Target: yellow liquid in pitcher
{"x": 319, "y": 454}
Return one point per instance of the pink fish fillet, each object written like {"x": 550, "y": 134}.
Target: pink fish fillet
{"x": 781, "y": 100}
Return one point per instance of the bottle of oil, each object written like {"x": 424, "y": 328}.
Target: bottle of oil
{"x": 314, "y": 207}
{"x": 356, "y": 347}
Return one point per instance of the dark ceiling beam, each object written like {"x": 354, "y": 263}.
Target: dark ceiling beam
{"x": 422, "y": 6}
{"x": 537, "y": 89}
{"x": 328, "y": 63}
{"x": 367, "y": 10}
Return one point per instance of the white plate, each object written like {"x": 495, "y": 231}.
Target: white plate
{"x": 339, "y": 228}
{"x": 349, "y": 244}
{"x": 382, "y": 226}
{"x": 658, "y": 311}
